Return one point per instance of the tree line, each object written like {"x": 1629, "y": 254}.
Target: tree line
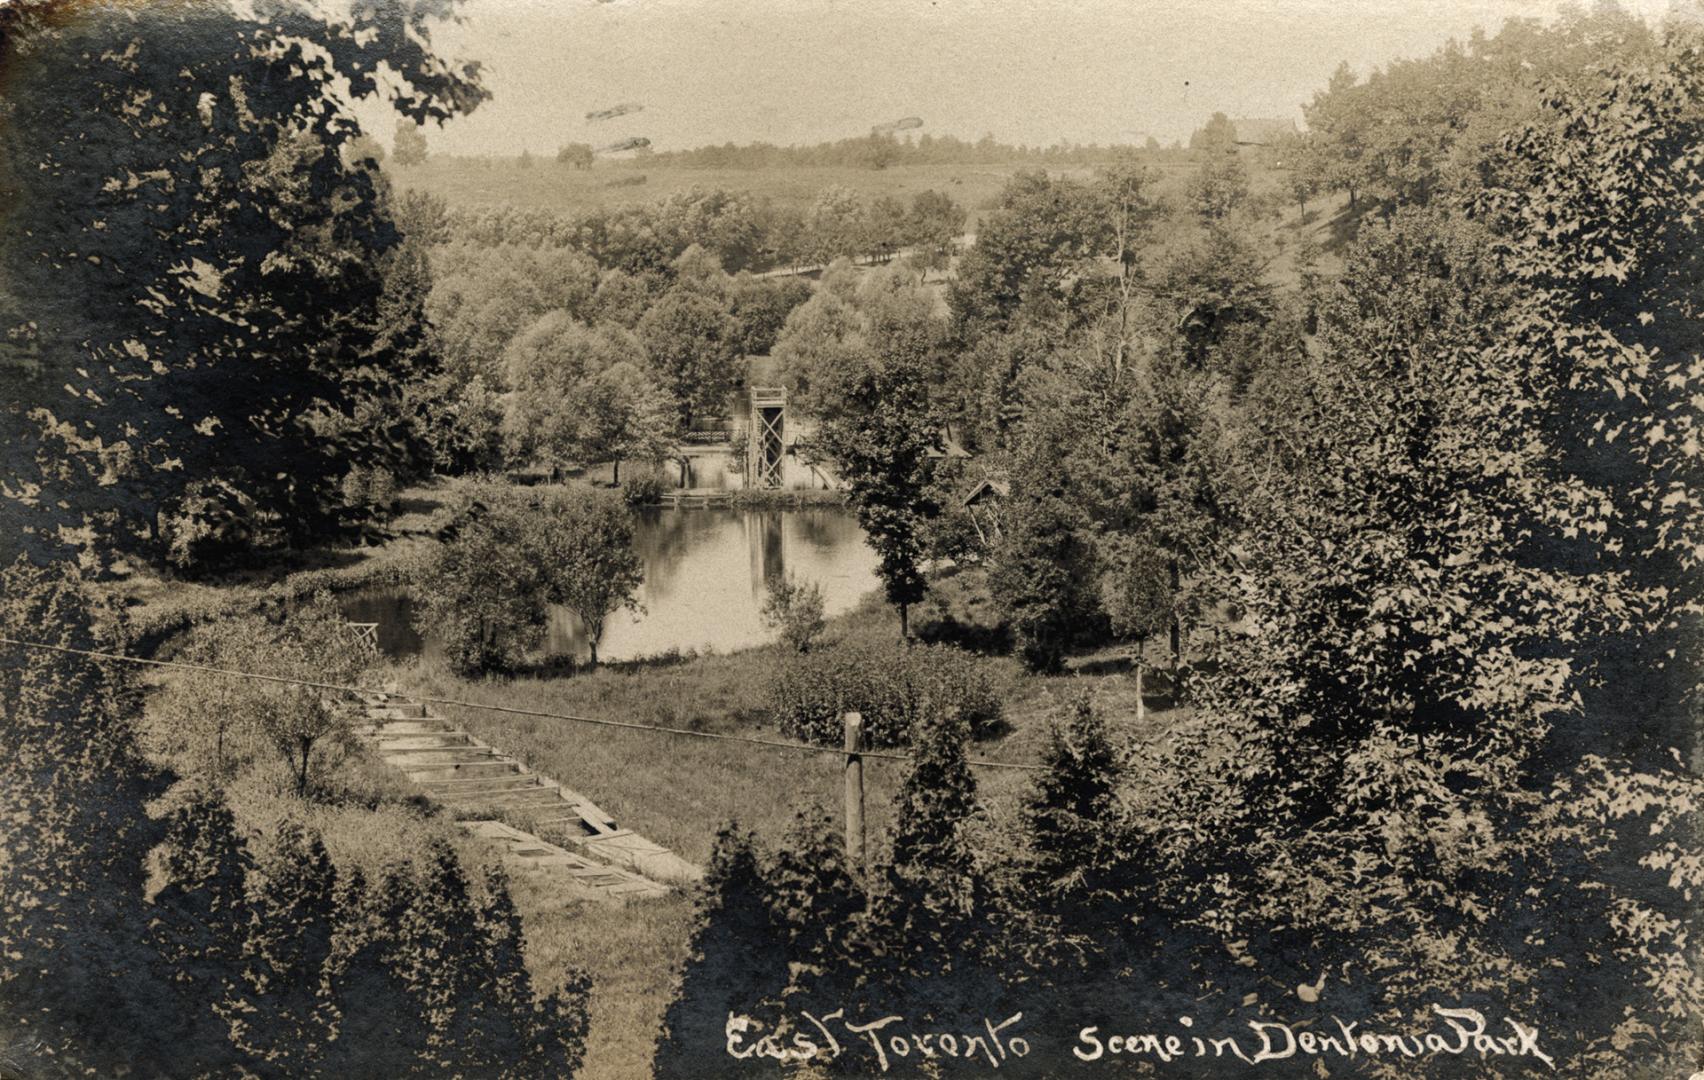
{"x": 742, "y": 231}
{"x": 879, "y": 150}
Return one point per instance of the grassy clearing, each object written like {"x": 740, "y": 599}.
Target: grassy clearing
{"x": 674, "y": 789}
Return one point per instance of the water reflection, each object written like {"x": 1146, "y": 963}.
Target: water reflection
{"x": 705, "y": 575}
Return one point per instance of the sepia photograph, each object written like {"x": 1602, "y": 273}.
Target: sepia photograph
{"x": 815, "y": 539}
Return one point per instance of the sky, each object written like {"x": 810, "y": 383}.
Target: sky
{"x": 1026, "y": 71}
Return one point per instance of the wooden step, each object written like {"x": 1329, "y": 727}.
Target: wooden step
{"x": 398, "y": 711}
{"x": 454, "y": 755}
{"x": 410, "y": 727}
{"x": 509, "y": 800}
{"x": 570, "y": 823}
{"x": 425, "y": 740}
{"x": 449, "y": 789}
{"x": 461, "y": 771}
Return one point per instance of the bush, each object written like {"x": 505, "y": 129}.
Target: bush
{"x": 367, "y": 487}
{"x": 892, "y": 686}
{"x": 642, "y": 488}
{"x": 794, "y": 609}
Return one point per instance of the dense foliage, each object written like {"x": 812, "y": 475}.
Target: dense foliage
{"x": 488, "y": 591}
{"x": 237, "y": 956}
{"x": 1437, "y": 510}
{"x": 209, "y": 313}
{"x": 894, "y": 687}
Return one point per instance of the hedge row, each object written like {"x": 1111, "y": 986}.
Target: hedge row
{"x": 890, "y": 685}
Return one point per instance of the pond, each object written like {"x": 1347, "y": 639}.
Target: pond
{"x": 705, "y": 575}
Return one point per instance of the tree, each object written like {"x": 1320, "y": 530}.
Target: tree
{"x": 725, "y": 224}
{"x": 537, "y": 1034}
{"x": 199, "y": 934}
{"x": 816, "y": 900}
{"x": 627, "y": 417}
{"x": 1038, "y": 238}
{"x": 73, "y": 791}
{"x": 836, "y": 225}
{"x": 376, "y": 981}
{"x": 1220, "y": 185}
{"x": 880, "y": 444}
{"x": 408, "y": 144}
{"x": 863, "y": 357}
{"x": 587, "y": 560}
{"x": 822, "y": 339}
{"x": 1041, "y": 570}
{"x": 576, "y": 155}
{"x": 735, "y": 965}
{"x": 241, "y": 176}
{"x": 202, "y": 722}
{"x": 481, "y": 593}
{"x": 934, "y": 223}
{"x": 623, "y": 298}
{"x": 559, "y": 407}
{"x": 794, "y": 610}
{"x": 690, "y": 341}
{"x": 303, "y": 722}
{"x": 760, "y": 308}
{"x": 930, "y": 928}
{"x": 284, "y": 1019}
{"x": 1075, "y": 868}
{"x": 884, "y": 228}
{"x": 1137, "y": 595}
{"x": 516, "y": 553}
{"x": 464, "y": 423}
{"x": 484, "y": 298}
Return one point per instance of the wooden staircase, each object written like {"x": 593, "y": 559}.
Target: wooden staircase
{"x": 566, "y": 834}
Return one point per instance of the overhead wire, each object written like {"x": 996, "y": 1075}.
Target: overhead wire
{"x": 96, "y": 654}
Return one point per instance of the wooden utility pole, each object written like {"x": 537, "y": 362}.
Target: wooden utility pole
{"x": 854, "y": 790}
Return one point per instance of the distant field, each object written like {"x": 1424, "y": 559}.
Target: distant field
{"x": 554, "y": 187}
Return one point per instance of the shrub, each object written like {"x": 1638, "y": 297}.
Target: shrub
{"x": 794, "y": 609}
{"x": 372, "y": 488}
{"x": 892, "y": 686}
{"x": 642, "y": 488}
